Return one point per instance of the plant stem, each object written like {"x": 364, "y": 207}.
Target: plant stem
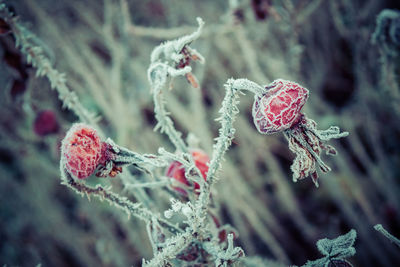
{"x": 383, "y": 231}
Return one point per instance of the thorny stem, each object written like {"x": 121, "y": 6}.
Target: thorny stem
{"x": 177, "y": 45}
{"x": 150, "y": 184}
{"x": 123, "y": 155}
{"x": 226, "y": 132}
{"x": 176, "y": 245}
{"x": 158, "y": 78}
{"x": 165, "y": 62}
{"x": 383, "y": 231}
{"x": 247, "y": 85}
{"x": 123, "y": 203}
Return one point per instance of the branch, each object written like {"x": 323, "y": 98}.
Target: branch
{"x": 383, "y": 231}
{"x": 123, "y": 203}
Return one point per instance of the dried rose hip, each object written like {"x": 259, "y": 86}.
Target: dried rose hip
{"x": 177, "y": 172}
{"x": 82, "y": 151}
{"x": 45, "y": 123}
{"x": 279, "y": 108}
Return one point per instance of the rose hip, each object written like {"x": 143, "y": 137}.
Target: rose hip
{"x": 82, "y": 151}
{"x": 45, "y": 123}
{"x": 177, "y": 172}
{"x": 279, "y": 108}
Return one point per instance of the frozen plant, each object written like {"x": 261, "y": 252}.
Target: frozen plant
{"x": 198, "y": 236}
{"x": 335, "y": 251}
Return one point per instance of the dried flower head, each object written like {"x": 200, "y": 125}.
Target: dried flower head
{"x": 307, "y": 142}
{"x": 279, "y": 108}
{"x": 81, "y": 151}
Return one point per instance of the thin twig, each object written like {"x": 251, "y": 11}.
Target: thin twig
{"x": 383, "y": 231}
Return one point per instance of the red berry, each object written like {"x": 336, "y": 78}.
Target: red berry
{"x": 279, "y": 108}
{"x": 177, "y": 172}
{"x": 81, "y": 151}
{"x": 45, "y": 123}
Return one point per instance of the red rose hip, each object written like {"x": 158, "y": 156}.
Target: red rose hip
{"x": 81, "y": 151}
{"x": 279, "y": 108}
{"x": 45, "y": 123}
{"x": 177, "y": 171}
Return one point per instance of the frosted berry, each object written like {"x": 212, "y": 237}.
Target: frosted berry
{"x": 45, "y": 123}
{"x": 177, "y": 171}
{"x": 82, "y": 151}
{"x": 279, "y": 108}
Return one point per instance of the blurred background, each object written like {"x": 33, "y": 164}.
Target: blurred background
{"x": 104, "y": 49}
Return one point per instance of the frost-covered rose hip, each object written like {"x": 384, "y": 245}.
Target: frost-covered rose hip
{"x": 177, "y": 171}
{"x": 81, "y": 151}
{"x": 279, "y": 108}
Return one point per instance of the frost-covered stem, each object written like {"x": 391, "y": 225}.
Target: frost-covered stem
{"x": 121, "y": 202}
{"x": 383, "y": 231}
{"x": 175, "y": 245}
{"x": 247, "y": 85}
{"x": 149, "y": 184}
{"x": 230, "y": 253}
{"x": 35, "y": 56}
{"x": 123, "y": 155}
{"x": 177, "y": 45}
{"x": 165, "y": 122}
{"x": 158, "y": 79}
{"x": 228, "y": 112}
